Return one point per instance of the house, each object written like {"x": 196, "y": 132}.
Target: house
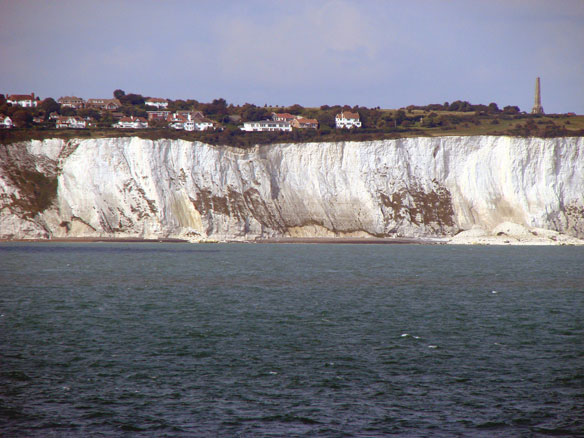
{"x": 73, "y": 122}
{"x": 193, "y": 114}
{"x": 266, "y": 126}
{"x": 71, "y": 102}
{"x": 347, "y": 119}
{"x": 283, "y": 117}
{"x": 177, "y": 121}
{"x": 158, "y": 115}
{"x": 198, "y": 124}
{"x": 5, "y": 122}
{"x": 131, "y": 122}
{"x": 302, "y": 123}
{"x": 157, "y": 102}
{"x": 24, "y": 100}
{"x": 104, "y": 104}
{"x": 190, "y": 121}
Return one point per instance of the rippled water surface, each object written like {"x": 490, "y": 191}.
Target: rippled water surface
{"x": 290, "y": 340}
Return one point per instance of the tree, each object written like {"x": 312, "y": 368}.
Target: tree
{"x": 22, "y": 118}
{"x": 326, "y": 119}
{"x": 118, "y": 94}
{"x": 68, "y": 111}
{"x": 217, "y": 107}
{"x": 132, "y": 99}
{"x": 295, "y": 109}
{"x": 493, "y": 108}
{"x": 251, "y": 112}
{"x": 511, "y": 109}
{"x": 107, "y": 120}
{"x": 400, "y": 116}
{"x": 431, "y": 121}
{"x": 48, "y": 106}
{"x": 89, "y": 112}
{"x": 459, "y": 105}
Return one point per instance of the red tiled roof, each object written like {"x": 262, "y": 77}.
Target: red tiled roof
{"x": 133, "y": 119}
{"x": 284, "y": 116}
{"x": 21, "y": 97}
{"x": 348, "y": 115}
{"x": 70, "y": 98}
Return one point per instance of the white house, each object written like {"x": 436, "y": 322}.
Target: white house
{"x": 5, "y": 122}
{"x": 266, "y": 125}
{"x": 157, "y": 102}
{"x": 24, "y": 100}
{"x": 348, "y": 120}
{"x": 198, "y": 124}
{"x": 131, "y": 122}
{"x": 74, "y": 122}
{"x": 186, "y": 121}
{"x": 177, "y": 121}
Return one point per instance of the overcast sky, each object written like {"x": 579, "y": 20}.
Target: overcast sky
{"x": 388, "y": 53}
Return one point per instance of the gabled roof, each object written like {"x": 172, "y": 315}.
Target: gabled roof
{"x": 133, "y": 119}
{"x": 21, "y": 97}
{"x": 156, "y": 99}
{"x": 348, "y": 115}
{"x": 307, "y": 121}
{"x": 204, "y": 120}
{"x": 70, "y": 98}
{"x": 285, "y": 116}
{"x": 104, "y": 101}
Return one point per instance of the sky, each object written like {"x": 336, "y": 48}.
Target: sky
{"x": 387, "y": 53}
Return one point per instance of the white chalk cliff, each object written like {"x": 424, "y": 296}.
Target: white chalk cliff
{"x": 131, "y": 187}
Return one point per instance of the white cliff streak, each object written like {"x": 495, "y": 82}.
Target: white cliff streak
{"x": 131, "y": 187}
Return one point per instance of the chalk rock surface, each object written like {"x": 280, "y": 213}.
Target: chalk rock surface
{"x": 417, "y": 187}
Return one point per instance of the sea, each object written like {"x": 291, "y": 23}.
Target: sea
{"x": 290, "y": 340}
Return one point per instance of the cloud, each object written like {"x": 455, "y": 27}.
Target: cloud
{"x": 374, "y": 52}
{"x": 311, "y": 44}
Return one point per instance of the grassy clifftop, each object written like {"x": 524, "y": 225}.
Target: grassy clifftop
{"x": 430, "y": 125}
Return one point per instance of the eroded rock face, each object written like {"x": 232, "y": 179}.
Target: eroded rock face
{"x": 126, "y": 187}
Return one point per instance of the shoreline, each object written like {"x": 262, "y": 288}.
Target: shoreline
{"x": 280, "y": 240}
{"x": 465, "y": 239}
{"x": 355, "y": 240}
{"x": 97, "y": 240}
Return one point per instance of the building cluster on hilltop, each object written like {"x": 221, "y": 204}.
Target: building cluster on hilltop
{"x": 183, "y": 120}
{"x": 280, "y": 122}
{"x": 159, "y": 116}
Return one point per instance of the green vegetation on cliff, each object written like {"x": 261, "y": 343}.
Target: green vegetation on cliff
{"x": 438, "y": 124}
{"x": 456, "y": 118}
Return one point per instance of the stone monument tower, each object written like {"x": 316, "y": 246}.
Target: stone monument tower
{"x": 537, "y": 109}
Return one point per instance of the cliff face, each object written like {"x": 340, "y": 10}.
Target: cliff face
{"x": 126, "y": 187}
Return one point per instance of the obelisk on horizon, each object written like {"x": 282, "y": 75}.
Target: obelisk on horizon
{"x": 537, "y": 108}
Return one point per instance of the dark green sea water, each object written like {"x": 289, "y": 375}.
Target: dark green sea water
{"x": 186, "y": 340}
